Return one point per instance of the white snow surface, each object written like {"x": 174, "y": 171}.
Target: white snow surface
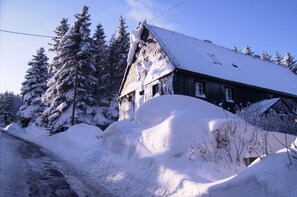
{"x": 195, "y": 55}
{"x": 262, "y": 106}
{"x": 135, "y": 38}
{"x": 152, "y": 155}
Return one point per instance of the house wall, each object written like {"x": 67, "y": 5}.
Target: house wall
{"x": 183, "y": 84}
{"x": 150, "y": 69}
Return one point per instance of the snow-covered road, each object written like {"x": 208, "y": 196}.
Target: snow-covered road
{"x": 28, "y": 170}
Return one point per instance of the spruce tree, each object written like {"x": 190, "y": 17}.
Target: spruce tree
{"x": 9, "y": 104}
{"x": 288, "y": 61}
{"x": 247, "y": 50}
{"x": 56, "y": 64}
{"x": 118, "y": 52}
{"x": 277, "y": 58}
{"x": 60, "y": 31}
{"x": 33, "y": 88}
{"x": 99, "y": 57}
{"x": 76, "y": 77}
{"x": 265, "y": 56}
{"x": 117, "y": 60}
{"x": 235, "y": 49}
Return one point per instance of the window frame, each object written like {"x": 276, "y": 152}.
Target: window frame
{"x": 199, "y": 89}
{"x": 229, "y": 94}
{"x": 155, "y": 89}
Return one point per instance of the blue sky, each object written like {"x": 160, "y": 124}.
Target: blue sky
{"x": 262, "y": 24}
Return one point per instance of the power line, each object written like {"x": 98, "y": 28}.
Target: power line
{"x": 26, "y": 34}
{"x": 174, "y": 6}
{"x": 45, "y": 36}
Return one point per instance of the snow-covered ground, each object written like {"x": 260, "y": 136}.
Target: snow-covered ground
{"x": 177, "y": 146}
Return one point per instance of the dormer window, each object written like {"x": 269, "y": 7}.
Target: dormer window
{"x": 229, "y": 95}
{"x": 199, "y": 89}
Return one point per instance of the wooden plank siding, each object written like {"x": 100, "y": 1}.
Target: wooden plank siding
{"x": 243, "y": 95}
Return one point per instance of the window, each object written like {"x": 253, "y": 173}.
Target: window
{"x": 155, "y": 89}
{"x": 229, "y": 95}
{"x": 199, "y": 89}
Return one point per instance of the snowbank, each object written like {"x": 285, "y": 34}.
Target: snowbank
{"x": 272, "y": 176}
{"x": 161, "y": 152}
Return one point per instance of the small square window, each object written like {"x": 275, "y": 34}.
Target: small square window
{"x": 229, "y": 95}
{"x": 199, "y": 90}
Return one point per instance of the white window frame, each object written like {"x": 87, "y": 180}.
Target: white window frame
{"x": 229, "y": 95}
{"x": 199, "y": 89}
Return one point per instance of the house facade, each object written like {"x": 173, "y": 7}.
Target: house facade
{"x": 165, "y": 62}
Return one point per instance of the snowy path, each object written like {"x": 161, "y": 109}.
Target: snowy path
{"x": 27, "y": 170}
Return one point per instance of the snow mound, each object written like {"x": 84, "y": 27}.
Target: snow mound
{"x": 82, "y": 135}
{"x": 176, "y": 122}
{"x": 157, "y": 109}
{"x": 272, "y": 176}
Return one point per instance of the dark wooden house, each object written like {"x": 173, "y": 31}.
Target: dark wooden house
{"x": 165, "y": 62}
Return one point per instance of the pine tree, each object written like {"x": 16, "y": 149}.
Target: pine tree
{"x": 277, "y": 58}
{"x": 117, "y": 60}
{"x": 288, "y": 61}
{"x": 56, "y": 64}
{"x": 265, "y": 56}
{"x": 9, "y": 104}
{"x": 33, "y": 88}
{"x": 76, "y": 77}
{"x": 60, "y": 31}
{"x": 99, "y": 57}
{"x": 247, "y": 50}
{"x": 235, "y": 49}
{"x": 118, "y": 52}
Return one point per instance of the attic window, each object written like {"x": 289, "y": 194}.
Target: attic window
{"x": 214, "y": 59}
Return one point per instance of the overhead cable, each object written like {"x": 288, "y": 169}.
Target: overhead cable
{"x": 26, "y": 34}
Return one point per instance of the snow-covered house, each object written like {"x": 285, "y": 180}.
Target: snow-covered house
{"x": 165, "y": 62}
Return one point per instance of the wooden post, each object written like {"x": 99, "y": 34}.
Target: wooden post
{"x": 74, "y": 95}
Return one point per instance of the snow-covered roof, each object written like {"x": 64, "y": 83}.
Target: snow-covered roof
{"x": 206, "y": 58}
{"x": 262, "y": 106}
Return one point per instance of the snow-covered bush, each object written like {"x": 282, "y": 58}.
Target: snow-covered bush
{"x": 233, "y": 141}
{"x": 228, "y": 145}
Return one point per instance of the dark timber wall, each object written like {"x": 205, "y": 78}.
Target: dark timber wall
{"x": 243, "y": 95}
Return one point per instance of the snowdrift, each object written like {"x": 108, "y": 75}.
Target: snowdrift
{"x": 175, "y": 147}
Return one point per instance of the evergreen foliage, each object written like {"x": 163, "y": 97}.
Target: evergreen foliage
{"x": 9, "y": 103}
{"x": 288, "y": 61}
{"x": 60, "y": 31}
{"x": 77, "y": 69}
{"x": 235, "y": 49}
{"x": 99, "y": 57}
{"x": 118, "y": 52}
{"x": 277, "y": 58}
{"x": 56, "y": 64}
{"x": 265, "y": 56}
{"x": 247, "y": 50}
{"x": 33, "y": 88}
{"x": 117, "y": 61}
